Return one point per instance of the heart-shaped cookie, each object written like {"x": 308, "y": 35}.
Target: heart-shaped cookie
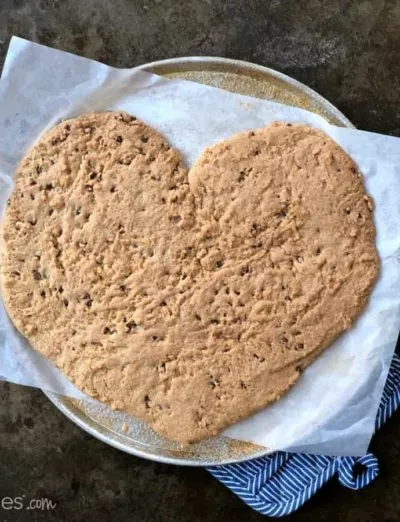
{"x": 189, "y": 301}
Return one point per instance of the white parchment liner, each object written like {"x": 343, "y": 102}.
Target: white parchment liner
{"x": 332, "y": 409}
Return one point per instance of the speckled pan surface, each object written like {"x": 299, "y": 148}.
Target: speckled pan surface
{"x": 118, "y": 429}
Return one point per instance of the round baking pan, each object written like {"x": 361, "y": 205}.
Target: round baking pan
{"x": 127, "y": 433}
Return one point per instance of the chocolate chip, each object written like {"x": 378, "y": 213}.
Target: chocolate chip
{"x": 119, "y": 139}
{"x": 108, "y": 330}
{"x": 37, "y": 275}
{"x": 242, "y": 176}
{"x": 88, "y": 300}
{"x": 130, "y": 326}
{"x": 245, "y": 270}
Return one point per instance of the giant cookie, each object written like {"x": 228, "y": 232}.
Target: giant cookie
{"x": 190, "y": 301}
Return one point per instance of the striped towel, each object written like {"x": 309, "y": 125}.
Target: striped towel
{"x": 280, "y": 483}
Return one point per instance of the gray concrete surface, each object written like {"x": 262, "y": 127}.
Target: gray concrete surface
{"x": 348, "y": 50}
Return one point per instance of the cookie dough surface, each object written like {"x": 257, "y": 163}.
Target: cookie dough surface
{"x": 188, "y": 300}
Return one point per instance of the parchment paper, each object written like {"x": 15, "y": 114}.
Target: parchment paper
{"x": 332, "y": 408}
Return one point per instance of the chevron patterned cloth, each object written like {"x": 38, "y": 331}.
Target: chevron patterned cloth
{"x": 278, "y": 484}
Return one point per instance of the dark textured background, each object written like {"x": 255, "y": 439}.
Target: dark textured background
{"x": 349, "y": 51}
